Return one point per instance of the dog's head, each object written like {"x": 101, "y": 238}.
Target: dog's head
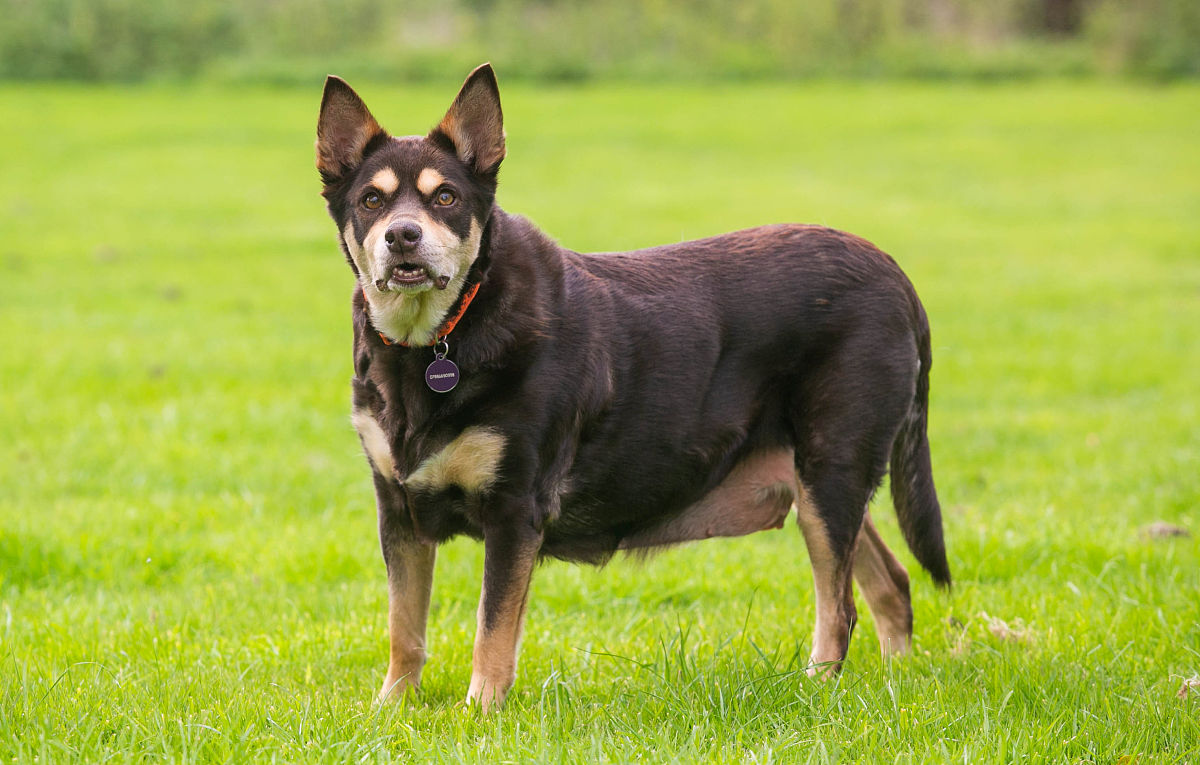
{"x": 411, "y": 210}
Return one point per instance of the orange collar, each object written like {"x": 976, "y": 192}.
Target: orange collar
{"x": 447, "y": 326}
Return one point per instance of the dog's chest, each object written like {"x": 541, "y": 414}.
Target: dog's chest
{"x": 431, "y": 463}
{"x": 469, "y": 462}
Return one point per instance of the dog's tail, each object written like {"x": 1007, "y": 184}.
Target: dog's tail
{"x": 913, "y": 492}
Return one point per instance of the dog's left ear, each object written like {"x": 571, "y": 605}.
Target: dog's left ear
{"x": 475, "y": 125}
{"x": 343, "y": 130}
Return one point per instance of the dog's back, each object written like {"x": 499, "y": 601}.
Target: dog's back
{"x": 679, "y": 363}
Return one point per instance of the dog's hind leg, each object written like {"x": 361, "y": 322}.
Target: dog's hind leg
{"x": 410, "y": 583}
{"x": 884, "y": 584}
{"x": 510, "y": 550}
{"x": 845, "y": 416}
{"x": 831, "y": 552}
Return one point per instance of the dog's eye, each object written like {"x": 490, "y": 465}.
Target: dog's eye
{"x": 372, "y": 201}
{"x": 445, "y": 198}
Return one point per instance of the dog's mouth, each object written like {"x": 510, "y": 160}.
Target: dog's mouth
{"x": 410, "y": 275}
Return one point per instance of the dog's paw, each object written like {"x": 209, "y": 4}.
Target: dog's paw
{"x": 394, "y": 690}
{"x": 824, "y": 669}
{"x": 486, "y": 693}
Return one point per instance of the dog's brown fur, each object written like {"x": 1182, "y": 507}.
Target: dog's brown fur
{"x": 619, "y": 400}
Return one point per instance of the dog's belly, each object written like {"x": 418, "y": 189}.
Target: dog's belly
{"x": 757, "y": 494}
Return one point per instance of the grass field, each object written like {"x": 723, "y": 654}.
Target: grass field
{"x": 188, "y": 563}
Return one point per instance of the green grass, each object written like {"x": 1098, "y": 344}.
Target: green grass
{"x": 188, "y": 562}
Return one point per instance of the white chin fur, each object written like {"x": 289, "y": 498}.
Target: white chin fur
{"x": 412, "y": 314}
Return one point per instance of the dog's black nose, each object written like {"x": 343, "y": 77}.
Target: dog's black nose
{"x": 402, "y": 236}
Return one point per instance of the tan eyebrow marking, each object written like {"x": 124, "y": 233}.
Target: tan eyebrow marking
{"x": 386, "y": 181}
{"x": 429, "y": 180}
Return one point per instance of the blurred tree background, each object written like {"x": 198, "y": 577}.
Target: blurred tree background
{"x": 297, "y": 40}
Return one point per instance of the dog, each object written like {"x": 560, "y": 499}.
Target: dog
{"x": 558, "y": 404}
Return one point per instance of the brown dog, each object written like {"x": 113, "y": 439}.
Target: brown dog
{"x": 553, "y": 403}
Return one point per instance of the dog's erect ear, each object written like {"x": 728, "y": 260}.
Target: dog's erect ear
{"x": 343, "y": 130}
{"x": 475, "y": 124}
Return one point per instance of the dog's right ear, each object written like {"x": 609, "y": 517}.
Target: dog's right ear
{"x": 343, "y": 130}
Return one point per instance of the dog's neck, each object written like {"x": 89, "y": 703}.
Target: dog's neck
{"x": 420, "y": 319}
{"x": 446, "y": 327}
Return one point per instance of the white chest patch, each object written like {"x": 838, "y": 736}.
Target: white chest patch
{"x": 471, "y": 462}
{"x": 374, "y": 442}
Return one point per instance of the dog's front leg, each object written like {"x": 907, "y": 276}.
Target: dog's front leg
{"x": 510, "y": 549}
{"x": 410, "y": 582}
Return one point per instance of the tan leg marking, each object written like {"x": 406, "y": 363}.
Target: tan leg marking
{"x": 884, "y": 584}
{"x": 410, "y": 582}
{"x": 471, "y": 461}
{"x": 429, "y": 180}
{"x": 498, "y": 639}
{"x": 374, "y": 441}
{"x": 834, "y": 592}
{"x": 386, "y": 181}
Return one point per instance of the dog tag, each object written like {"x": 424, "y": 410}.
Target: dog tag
{"x": 442, "y": 375}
